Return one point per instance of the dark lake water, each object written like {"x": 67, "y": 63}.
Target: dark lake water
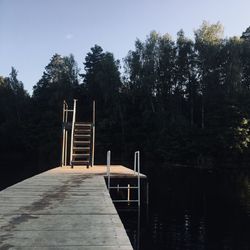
{"x": 191, "y": 209}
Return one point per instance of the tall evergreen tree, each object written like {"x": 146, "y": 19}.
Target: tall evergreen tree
{"x": 102, "y": 77}
{"x": 14, "y": 102}
{"x": 103, "y": 84}
{"x": 208, "y": 39}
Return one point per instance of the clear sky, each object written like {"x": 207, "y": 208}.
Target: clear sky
{"x": 31, "y": 31}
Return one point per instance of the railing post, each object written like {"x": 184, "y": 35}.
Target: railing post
{"x": 93, "y": 137}
{"x": 135, "y": 162}
{"x": 139, "y": 182}
{"x": 128, "y": 187}
{"x": 108, "y": 167}
{"x": 66, "y": 137}
{"x": 137, "y": 165}
{"x": 63, "y": 139}
{"x": 72, "y": 132}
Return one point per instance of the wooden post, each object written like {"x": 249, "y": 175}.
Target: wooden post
{"x": 66, "y": 149}
{"x": 93, "y": 137}
{"x": 128, "y": 193}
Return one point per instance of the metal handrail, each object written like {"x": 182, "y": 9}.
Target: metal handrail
{"x": 63, "y": 140}
{"x": 65, "y": 134}
{"x": 72, "y": 132}
{"x": 108, "y": 167}
{"x": 137, "y": 160}
{"x": 136, "y": 167}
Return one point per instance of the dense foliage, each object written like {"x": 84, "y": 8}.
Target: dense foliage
{"x": 181, "y": 102}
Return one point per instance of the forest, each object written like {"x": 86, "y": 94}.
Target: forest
{"x": 180, "y": 102}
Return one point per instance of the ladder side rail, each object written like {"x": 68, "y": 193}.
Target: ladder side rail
{"x": 125, "y": 201}
{"x": 93, "y": 137}
{"x": 72, "y": 132}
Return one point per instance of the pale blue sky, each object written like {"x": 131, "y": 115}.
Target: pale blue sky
{"x": 31, "y": 31}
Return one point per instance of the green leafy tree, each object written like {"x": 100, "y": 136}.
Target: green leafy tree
{"x": 208, "y": 39}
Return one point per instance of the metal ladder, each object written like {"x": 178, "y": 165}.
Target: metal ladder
{"x": 82, "y": 141}
{"x": 136, "y": 172}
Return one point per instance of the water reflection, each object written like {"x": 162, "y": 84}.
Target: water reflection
{"x": 193, "y": 210}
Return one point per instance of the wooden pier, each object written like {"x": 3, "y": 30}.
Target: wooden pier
{"x": 63, "y": 208}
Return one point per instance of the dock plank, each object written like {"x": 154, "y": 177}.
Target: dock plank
{"x": 62, "y": 208}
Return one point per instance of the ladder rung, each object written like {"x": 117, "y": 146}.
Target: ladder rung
{"x": 80, "y": 155}
{"x": 77, "y": 135}
{"x": 81, "y": 142}
{"x": 81, "y": 152}
{"x": 80, "y": 162}
{"x": 83, "y": 130}
{"x": 76, "y": 150}
{"x": 83, "y": 124}
{"x": 125, "y": 200}
{"x": 81, "y": 148}
{"x": 123, "y": 187}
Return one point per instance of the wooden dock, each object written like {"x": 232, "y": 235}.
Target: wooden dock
{"x": 63, "y": 208}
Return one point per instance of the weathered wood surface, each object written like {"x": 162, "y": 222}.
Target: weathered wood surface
{"x": 115, "y": 171}
{"x": 62, "y": 208}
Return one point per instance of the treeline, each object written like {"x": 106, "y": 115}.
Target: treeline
{"x": 179, "y": 102}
